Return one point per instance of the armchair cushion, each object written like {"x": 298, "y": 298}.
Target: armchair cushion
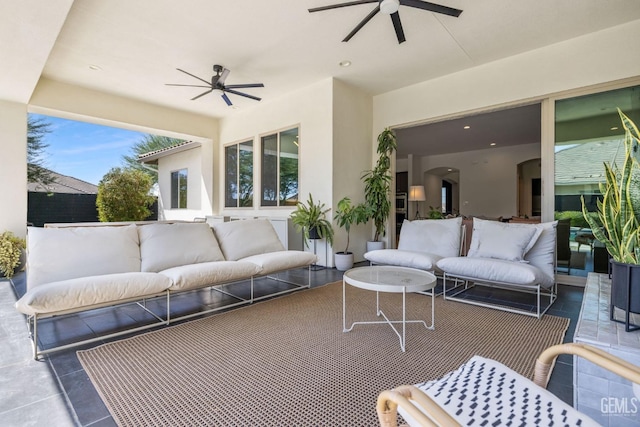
{"x": 433, "y": 236}
{"x": 510, "y": 242}
{"x": 483, "y": 389}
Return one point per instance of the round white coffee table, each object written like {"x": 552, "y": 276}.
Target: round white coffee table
{"x": 389, "y": 279}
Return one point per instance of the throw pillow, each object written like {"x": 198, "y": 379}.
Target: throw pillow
{"x": 241, "y": 239}
{"x": 510, "y": 242}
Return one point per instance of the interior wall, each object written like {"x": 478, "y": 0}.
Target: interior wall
{"x": 13, "y": 168}
{"x": 351, "y": 151}
{"x": 488, "y": 183}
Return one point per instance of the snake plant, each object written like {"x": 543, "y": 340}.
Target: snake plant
{"x": 619, "y": 209}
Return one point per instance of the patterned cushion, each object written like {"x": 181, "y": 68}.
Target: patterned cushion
{"x": 485, "y": 392}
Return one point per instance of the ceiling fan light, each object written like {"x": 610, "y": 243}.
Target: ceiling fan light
{"x": 389, "y": 6}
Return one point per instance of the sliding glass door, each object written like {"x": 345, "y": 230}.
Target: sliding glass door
{"x": 587, "y": 134}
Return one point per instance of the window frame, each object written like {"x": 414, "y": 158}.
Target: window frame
{"x": 278, "y": 202}
{"x": 237, "y": 144}
{"x": 186, "y": 190}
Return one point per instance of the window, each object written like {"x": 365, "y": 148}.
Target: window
{"x": 238, "y": 160}
{"x": 280, "y": 168}
{"x": 179, "y": 189}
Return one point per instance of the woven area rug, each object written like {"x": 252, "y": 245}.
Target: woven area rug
{"x": 287, "y": 362}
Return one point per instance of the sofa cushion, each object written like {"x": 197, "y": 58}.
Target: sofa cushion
{"x": 493, "y": 239}
{"x": 204, "y": 274}
{"x": 166, "y": 245}
{"x": 434, "y": 236}
{"x": 495, "y": 270}
{"x": 402, "y": 258}
{"x": 484, "y": 389}
{"x": 81, "y": 293}
{"x": 241, "y": 239}
{"x": 543, "y": 253}
{"x": 56, "y": 254}
{"x": 272, "y": 262}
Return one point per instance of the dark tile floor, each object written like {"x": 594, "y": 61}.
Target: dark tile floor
{"x": 76, "y": 395}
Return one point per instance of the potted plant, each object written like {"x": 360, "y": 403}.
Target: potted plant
{"x": 617, "y": 224}
{"x": 11, "y": 253}
{"x": 346, "y": 215}
{"x": 377, "y": 185}
{"x": 311, "y": 220}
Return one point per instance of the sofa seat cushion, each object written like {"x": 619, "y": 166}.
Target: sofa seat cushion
{"x": 241, "y": 239}
{"x": 496, "y": 270}
{"x": 166, "y": 245}
{"x": 57, "y": 254}
{"x": 272, "y": 262}
{"x": 402, "y": 258}
{"x": 484, "y": 390}
{"x": 82, "y": 293}
{"x": 201, "y": 275}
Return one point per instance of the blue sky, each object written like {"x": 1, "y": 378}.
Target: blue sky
{"x": 86, "y": 151}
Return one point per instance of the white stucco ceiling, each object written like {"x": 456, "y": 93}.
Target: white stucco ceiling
{"x": 139, "y": 44}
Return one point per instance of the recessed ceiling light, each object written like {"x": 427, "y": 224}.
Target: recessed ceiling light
{"x": 345, "y": 63}
{"x": 94, "y": 68}
{"x": 449, "y": 170}
{"x": 614, "y": 128}
{"x": 493, "y": 144}
{"x": 467, "y": 127}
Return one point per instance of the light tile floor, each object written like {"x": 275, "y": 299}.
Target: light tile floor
{"x": 57, "y": 392}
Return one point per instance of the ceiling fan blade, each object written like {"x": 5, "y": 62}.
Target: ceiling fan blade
{"x": 431, "y": 7}
{"x": 335, "y": 6}
{"x": 202, "y": 94}
{"x": 397, "y": 25}
{"x": 226, "y": 99}
{"x": 173, "y": 84}
{"x": 246, "y": 95}
{"x": 362, "y": 23}
{"x": 244, "y": 85}
{"x": 223, "y": 76}
{"x": 202, "y": 80}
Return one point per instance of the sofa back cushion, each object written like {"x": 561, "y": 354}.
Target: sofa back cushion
{"x": 56, "y": 254}
{"x": 543, "y": 252}
{"x": 500, "y": 240}
{"x": 241, "y": 239}
{"x": 166, "y": 245}
{"x": 435, "y": 236}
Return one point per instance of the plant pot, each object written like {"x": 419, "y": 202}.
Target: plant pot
{"x": 313, "y": 233}
{"x": 374, "y": 246}
{"x": 625, "y": 291}
{"x": 343, "y": 261}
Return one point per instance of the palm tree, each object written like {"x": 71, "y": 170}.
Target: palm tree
{"x": 146, "y": 145}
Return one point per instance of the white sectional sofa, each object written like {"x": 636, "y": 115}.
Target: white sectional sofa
{"x": 79, "y": 268}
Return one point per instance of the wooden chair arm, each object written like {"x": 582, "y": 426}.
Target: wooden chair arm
{"x": 389, "y": 400}
{"x": 612, "y": 363}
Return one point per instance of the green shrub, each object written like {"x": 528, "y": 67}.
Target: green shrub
{"x": 577, "y": 219}
{"x": 123, "y": 195}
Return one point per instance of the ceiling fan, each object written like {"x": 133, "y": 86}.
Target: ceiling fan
{"x": 217, "y": 84}
{"x": 390, "y": 7}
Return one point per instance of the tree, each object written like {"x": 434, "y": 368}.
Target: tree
{"x": 146, "y": 145}
{"x": 37, "y": 129}
{"x": 123, "y": 195}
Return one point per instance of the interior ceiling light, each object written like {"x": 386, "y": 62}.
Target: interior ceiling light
{"x": 345, "y": 63}
{"x": 614, "y": 128}
{"x": 493, "y": 144}
{"x": 94, "y": 67}
{"x": 389, "y": 6}
{"x": 467, "y": 127}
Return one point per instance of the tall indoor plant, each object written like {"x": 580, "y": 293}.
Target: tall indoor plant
{"x": 619, "y": 215}
{"x": 311, "y": 220}
{"x": 377, "y": 183}
{"x": 346, "y": 215}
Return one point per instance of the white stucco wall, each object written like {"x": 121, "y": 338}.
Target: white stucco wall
{"x": 13, "y": 168}
{"x": 352, "y": 156}
{"x": 197, "y": 205}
